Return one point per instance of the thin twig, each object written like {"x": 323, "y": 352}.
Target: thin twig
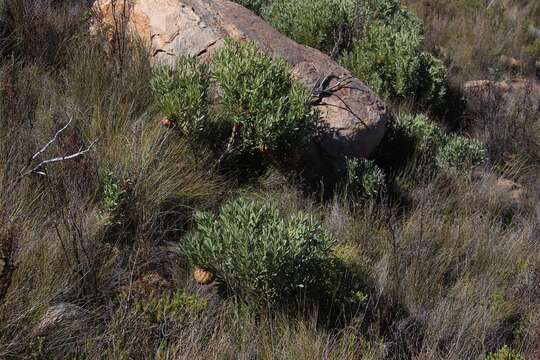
{"x": 322, "y": 90}
{"x": 37, "y": 168}
{"x": 348, "y": 108}
{"x": 491, "y": 3}
{"x": 230, "y": 146}
{"x": 50, "y": 142}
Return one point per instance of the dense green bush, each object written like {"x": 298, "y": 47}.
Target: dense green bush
{"x": 254, "y": 5}
{"x": 389, "y": 57}
{"x": 461, "y": 153}
{"x": 414, "y": 142}
{"x": 321, "y": 24}
{"x": 425, "y": 136}
{"x": 259, "y": 95}
{"x": 364, "y": 178}
{"x": 259, "y": 254}
{"x": 384, "y": 43}
{"x": 409, "y": 139}
{"x": 182, "y": 94}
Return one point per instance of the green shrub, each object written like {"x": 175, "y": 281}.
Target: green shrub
{"x": 315, "y": 23}
{"x": 259, "y": 254}
{"x": 182, "y": 94}
{"x": 254, "y": 5}
{"x": 273, "y": 110}
{"x": 409, "y": 141}
{"x": 426, "y": 136}
{"x": 461, "y": 153}
{"x": 115, "y": 202}
{"x": 113, "y": 193}
{"x": 364, "y": 178}
{"x": 389, "y": 57}
{"x": 505, "y": 353}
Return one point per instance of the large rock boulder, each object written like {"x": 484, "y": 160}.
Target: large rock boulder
{"x": 354, "y": 116}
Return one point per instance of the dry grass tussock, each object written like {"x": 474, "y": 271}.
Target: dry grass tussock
{"x": 474, "y": 37}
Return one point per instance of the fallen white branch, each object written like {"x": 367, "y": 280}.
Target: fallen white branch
{"x": 81, "y": 152}
{"x": 52, "y": 141}
{"x": 38, "y": 169}
{"x": 491, "y": 3}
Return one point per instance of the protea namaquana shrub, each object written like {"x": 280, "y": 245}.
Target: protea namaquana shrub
{"x": 181, "y": 92}
{"x": 322, "y": 24}
{"x": 388, "y": 55}
{"x": 364, "y": 178}
{"x": 424, "y": 135}
{"x": 273, "y": 110}
{"x": 259, "y": 254}
{"x": 461, "y": 154}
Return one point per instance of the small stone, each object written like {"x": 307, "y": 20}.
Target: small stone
{"x": 59, "y": 316}
{"x": 511, "y": 190}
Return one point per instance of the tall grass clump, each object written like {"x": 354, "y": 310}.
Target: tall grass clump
{"x": 258, "y": 254}
{"x": 151, "y": 193}
{"x": 474, "y": 38}
{"x": 509, "y": 124}
{"x": 40, "y": 31}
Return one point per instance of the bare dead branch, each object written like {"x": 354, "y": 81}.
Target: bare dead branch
{"x": 81, "y": 152}
{"x": 322, "y": 90}
{"x": 230, "y": 145}
{"x": 44, "y": 148}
